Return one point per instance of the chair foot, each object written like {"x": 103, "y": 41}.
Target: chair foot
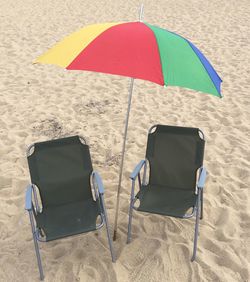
{"x": 39, "y": 261}
{"x": 193, "y": 258}
{"x": 109, "y": 240}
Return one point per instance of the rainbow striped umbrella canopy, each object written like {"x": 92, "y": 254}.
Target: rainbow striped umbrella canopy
{"x": 137, "y": 50}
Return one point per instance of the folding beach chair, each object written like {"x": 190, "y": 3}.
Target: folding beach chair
{"x": 176, "y": 175}
{"x": 71, "y": 193}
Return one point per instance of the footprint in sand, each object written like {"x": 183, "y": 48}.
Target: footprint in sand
{"x": 151, "y": 269}
{"x": 230, "y": 260}
{"x": 146, "y": 249}
{"x": 64, "y": 273}
{"x": 94, "y": 269}
{"x": 5, "y": 183}
{"x": 58, "y": 252}
{"x": 178, "y": 255}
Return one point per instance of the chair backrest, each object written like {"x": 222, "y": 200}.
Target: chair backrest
{"x": 61, "y": 170}
{"x": 174, "y": 154}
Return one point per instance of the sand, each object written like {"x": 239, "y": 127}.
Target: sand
{"x": 42, "y": 102}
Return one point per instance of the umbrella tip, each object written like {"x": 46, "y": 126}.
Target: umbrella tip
{"x": 141, "y": 12}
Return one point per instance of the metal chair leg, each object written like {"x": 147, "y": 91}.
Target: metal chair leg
{"x": 108, "y": 231}
{"x": 130, "y": 213}
{"x": 196, "y": 227}
{"x": 201, "y": 216}
{"x": 39, "y": 262}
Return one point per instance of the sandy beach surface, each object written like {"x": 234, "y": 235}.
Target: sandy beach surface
{"x": 41, "y": 102}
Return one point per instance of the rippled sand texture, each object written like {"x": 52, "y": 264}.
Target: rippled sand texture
{"x": 43, "y": 102}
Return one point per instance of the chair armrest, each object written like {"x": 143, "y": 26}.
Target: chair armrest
{"x": 137, "y": 169}
{"x": 202, "y": 178}
{"x": 28, "y": 198}
{"x": 99, "y": 183}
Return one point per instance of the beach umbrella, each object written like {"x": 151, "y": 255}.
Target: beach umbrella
{"x": 136, "y": 50}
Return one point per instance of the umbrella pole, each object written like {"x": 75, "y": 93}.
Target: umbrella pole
{"x": 122, "y": 160}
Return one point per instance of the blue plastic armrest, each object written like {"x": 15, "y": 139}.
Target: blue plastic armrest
{"x": 137, "y": 169}
{"x": 99, "y": 182}
{"x": 202, "y": 178}
{"x": 28, "y": 198}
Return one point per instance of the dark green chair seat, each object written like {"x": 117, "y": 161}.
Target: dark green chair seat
{"x": 166, "y": 201}
{"x": 69, "y": 219}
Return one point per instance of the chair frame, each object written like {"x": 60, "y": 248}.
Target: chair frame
{"x": 34, "y": 208}
{"x": 197, "y": 210}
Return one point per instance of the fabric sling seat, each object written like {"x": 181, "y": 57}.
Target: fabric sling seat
{"x": 69, "y": 219}
{"x": 176, "y": 175}
{"x": 165, "y": 201}
{"x": 71, "y": 193}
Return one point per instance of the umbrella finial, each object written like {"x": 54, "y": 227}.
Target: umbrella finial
{"x": 141, "y": 13}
